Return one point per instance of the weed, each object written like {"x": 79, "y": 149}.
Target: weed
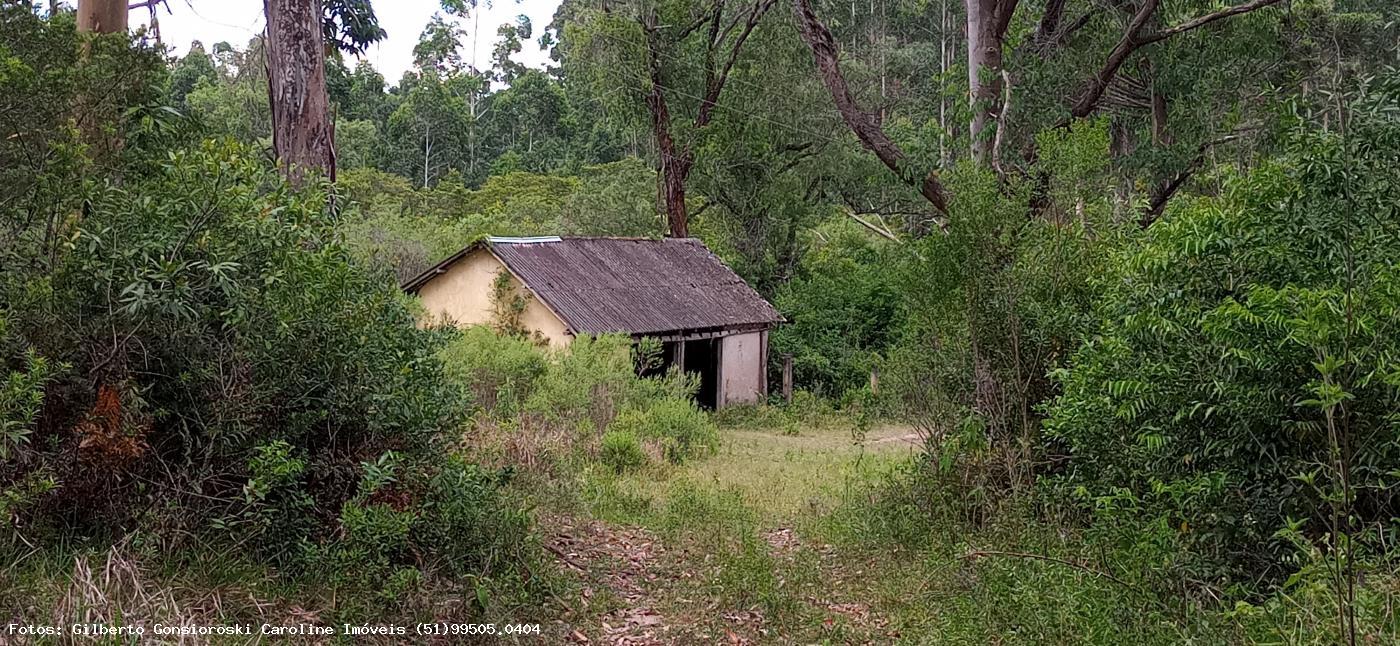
{"x": 622, "y": 451}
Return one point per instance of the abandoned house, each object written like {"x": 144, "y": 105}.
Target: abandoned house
{"x": 708, "y": 320}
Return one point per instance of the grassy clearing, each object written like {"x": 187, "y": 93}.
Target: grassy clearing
{"x": 781, "y": 538}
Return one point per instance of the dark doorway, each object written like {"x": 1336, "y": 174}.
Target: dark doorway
{"x": 702, "y": 360}
{"x": 699, "y": 358}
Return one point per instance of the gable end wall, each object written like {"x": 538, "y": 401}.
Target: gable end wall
{"x": 462, "y": 295}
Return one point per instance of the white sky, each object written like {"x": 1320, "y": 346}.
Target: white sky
{"x": 236, "y": 21}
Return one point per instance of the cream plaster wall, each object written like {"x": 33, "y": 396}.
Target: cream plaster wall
{"x": 741, "y": 369}
{"x": 462, "y": 296}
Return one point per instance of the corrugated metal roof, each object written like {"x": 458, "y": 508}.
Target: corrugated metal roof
{"x": 634, "y": 286}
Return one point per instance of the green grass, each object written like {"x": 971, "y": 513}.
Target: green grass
{"x": 778, "y": 538}
{"x": 875, "y": 559}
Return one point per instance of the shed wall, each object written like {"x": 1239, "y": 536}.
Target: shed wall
{"x": 742, "y": 373}
{"x": 462, "y": 295}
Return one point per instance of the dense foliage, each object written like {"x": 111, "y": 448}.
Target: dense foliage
{"x": 1132, "y": 279}
{"x": 191, "y": 356}
{"x": 1243, "y": 340}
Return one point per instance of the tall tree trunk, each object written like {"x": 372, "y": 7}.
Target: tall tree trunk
{"x": 94, "y": 111}
{"x": 984, "y": 62}
{"x": 987, "y": 22}
{"x": 675, "y": 165}
{"x": 1157, "y": 100}
{"x": 102, "y": 16}
{"x": 302, "y": 135}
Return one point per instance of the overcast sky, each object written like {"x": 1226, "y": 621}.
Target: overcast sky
{"x": 236, "y": 21}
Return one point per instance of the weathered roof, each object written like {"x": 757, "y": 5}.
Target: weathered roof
{"x": 628, "y": 285}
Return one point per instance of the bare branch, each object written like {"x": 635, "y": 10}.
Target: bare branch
{"x": 1049, "y": 21}
{"x": 1001, "y": 122}
{"x": 1133, "y": 39}
{"x": 881, "y": 231}
{"x": 862, "y": 123}
{"x": 1157, "y": 203}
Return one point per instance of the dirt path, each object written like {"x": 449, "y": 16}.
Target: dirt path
{"x": 637, "y": 590}
{"x": 619, "y": 569}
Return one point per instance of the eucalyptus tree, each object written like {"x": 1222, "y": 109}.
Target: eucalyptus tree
{"x": 673, "y": 59}
{"x": 303, "y": 136}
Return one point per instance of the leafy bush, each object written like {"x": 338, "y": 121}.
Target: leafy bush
{"x": 616, "y": 199}
{"x": 843, "y": 310}
{"x": 407, "y": 245}
{"x": 499, "y": 370}
{"x": 622, "y": 451}
{"x": 233, "y": 377}
{"x": 25, "y": 374}
{"x": 212, "y": 338}
{"x": 683, "y": 430}
{"x": 408, "y": 519}
{"x": 590, "y": 382}
{"x": 1246, "y": 364}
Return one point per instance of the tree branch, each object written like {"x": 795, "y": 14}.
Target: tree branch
{"x": 1202, "y": 21}
{"x": 1157, "y": 202}
{"x": 1049, "y": 21}
{"x": 1088, "y": 100}
{"x": 1002, "y": 118}
{"x": 714, "y": 83}
{"x": 690, "y": 29}
{"x": 862, "y": 123}
{"x": 1004, "y": 11}
{"x": 881, "y": 231}
{"x": 1133, "y": 39}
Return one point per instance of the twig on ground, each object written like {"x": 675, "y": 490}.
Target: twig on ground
{"x": 565, "y": 558}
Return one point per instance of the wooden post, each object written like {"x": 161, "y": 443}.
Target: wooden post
{"x": 874, "y": 380}
{"x": 787, "y": 377}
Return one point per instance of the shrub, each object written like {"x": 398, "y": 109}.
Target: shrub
{"x": 467, "y": 525}
{"x": 1243, "y": 340}
{"x": 589, "y": 383}
{"x": 622, "y": 451}
{"x": 409, "y": 519}
{"x": 24, "y": 375}
{"x": 498, "y": 370}
{"x": 683, "y": 430}
{"x": 843, "y": 310}
{"x": 238, "y": 380}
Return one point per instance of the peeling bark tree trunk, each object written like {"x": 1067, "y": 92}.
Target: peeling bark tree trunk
{"x": 302, "y": 136}
{"x": 675, "y": 164}
{"x": 102, "y": 16}
{"x": 984, "y": 63}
